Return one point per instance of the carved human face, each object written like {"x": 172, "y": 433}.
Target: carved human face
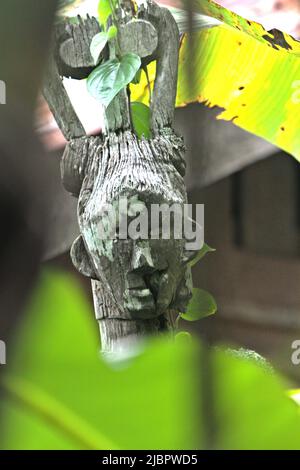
{"x": 144, "y": 275}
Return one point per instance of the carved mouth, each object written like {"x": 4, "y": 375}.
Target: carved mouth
{"x": 139, "y": 303}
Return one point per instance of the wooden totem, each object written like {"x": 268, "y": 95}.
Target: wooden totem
{"x": 138, "y": 283}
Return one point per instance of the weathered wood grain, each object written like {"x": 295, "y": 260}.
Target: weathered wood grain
{"x": 139, "y": 37}
{"x": 60, "y": 104}
{"x": 73, "y": 47}
{"x": 166, "y": 56}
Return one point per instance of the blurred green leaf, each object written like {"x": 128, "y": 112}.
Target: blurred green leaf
{"x": 56, "y": 356}
{"x": 58, "y": 394}
{"x": 252, "y": 410}
{"x": 202, "y": 304}
{"x": 183, "y": 336}
{"x": 112, "y": 32}
{"x": 294, "y": 395}
{"x": 251, "y": 356}
{"x": 140, "y": 114}
{"x": 204, "y": 250}
{"x": 56, "y": 414}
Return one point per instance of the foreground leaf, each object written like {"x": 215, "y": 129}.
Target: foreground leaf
{"x": 294, "y": 395}
{"x": 105, "y": 82}
{"x": 147, "y": 403}
{"x": 74, "y": 400}
{"x": 56, "y": 414}
{"x": 251, "y": 410}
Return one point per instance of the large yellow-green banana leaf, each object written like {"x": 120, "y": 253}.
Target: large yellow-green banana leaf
{"x": 237, "y": 65}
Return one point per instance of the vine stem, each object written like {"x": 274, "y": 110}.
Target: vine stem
{"x": 116, "y": 24}
{"x": 148, "y": 82}
{"x": 176, "y": 323}
{"x": 115, "y": 20}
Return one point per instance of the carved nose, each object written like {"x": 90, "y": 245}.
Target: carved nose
{"x": 142, "y": 259}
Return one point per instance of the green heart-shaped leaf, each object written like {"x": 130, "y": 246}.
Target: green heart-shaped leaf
{"x": 105, "y": 82}
{"x": 98, "y": 43}
{"x": 202, "y": 304}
